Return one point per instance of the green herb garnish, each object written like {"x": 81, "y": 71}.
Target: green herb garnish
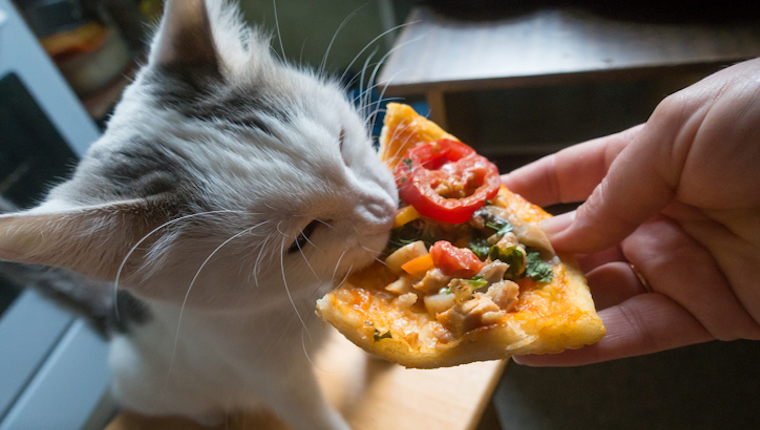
{"x": 378, "y": 336}
{"x": 480, "y": 247}
{"x": 476, "y": 282}
{"x": 408, "y": 163}
{"x": 537, "y": 269}
{"x": 408, "y": 233}
{"x": 512, "y": 256}
{"x": 501, "y": 226}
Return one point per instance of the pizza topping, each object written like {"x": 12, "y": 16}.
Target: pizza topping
{"x": 513, "y": 257}
{"x": 502, "y": 222}
{"x": 466, "y": 316}
{"x": 491, "y": 217}
{"x": 537, "y": 269}
{"x": 457, "y": 259}
{"x": 461, "y": 289}
{"x": 467, "y": 280}
{"x": 531, "y": 235}
{"x": 378, "y": 336}
{"x": 494, "y": 271}
{"x": 400, "y": 286}
{"x": 434, "y": 280}
{"x": 419, "y": 266}
{"x": 446, "y": 180}
{"x": 405, "y": 254}
{"x": 503, "y": 294}
{"x": 458, "y": 262}
{"x": 439, "y": 303}
{"x": 406, "y": 300}
{"x": 405, "y": 215}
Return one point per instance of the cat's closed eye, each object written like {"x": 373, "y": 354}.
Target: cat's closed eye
{"x": 303, "y": 238}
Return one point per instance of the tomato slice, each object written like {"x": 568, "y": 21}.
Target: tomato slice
{"x": 453, "y": 261}
{"x": 446, "y": 180}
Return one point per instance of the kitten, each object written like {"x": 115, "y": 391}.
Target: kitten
{"x": 229, "y": 192}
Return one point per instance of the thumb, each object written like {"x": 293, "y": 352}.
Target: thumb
{"x": 640, "y": 182}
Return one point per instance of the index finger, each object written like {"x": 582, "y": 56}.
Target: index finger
{"x": 571, "y": 174}
{"x": 644, "y": 324}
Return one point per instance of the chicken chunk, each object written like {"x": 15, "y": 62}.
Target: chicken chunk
{"x": 493, "y": 272}
{"x": 503, "y": 294}
{"x": 433, "y": 281}
{"x": 479, "y": 311}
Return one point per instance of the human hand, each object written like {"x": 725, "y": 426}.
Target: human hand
{"x": 677, "y": 197}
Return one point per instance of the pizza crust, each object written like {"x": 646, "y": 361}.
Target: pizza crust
{"x": 547, "y": 318}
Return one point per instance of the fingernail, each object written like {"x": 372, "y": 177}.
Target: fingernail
{"x": 557, "y": 224}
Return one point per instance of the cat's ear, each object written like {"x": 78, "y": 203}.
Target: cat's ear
{"x": 93, "y": 241}
{"x": 185, "y": 37}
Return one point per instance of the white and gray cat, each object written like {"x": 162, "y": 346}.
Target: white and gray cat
{"x": 229, "y": 192}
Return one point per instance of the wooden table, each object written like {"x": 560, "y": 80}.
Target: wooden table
{"x": 443, "y": 58}
{"x": 389, "y": 397}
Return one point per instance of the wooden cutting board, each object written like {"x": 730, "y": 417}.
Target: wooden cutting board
{"x": 385, "y": 396}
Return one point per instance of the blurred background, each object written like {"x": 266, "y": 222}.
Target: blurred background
{"x": 575, "y": 71}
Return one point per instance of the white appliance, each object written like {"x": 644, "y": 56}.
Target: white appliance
{"x": 53, "y": 368}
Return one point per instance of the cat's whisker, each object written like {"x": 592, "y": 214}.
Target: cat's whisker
{"x": 381, "y": 261}
{"x": 277, "y": 26}
{"x": 192, "y": 282}
{"x": 256, "y": 265}
{"x": 361, "y": 80}
{"x": 380, "y": 36}
{"x": 391, "y": 51}
{"x": 403, "y": 145}
{"x": 300, "y": 55}
{"x": 364, "y": 96}
{"x": 281, "y": 232}
{"x": 337, "y": 265}
{"x": 399, "y": 130}
{"x": 345, "y": 277}
{"x": 326, "y": 224}
{"x": 305, "y": 352}
{"x": 371, "y": 251}
{"x": 287, "y": 288}
{"x": 382, "y": 99}
{"x": 306, "y": 260}
{"x": 144, "y": 238}
{"x": 323, "y": 63}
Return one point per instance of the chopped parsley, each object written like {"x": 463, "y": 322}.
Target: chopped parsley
{"x": 537, "y": 269}
{"x": 501, "y": 226}
{"x": 378, "y": 336}
{"x": 512, "y": 256}
{"x": 408, "y": 163}
{"x": 408, "y": 233}
{"x": 480, "y": 247}
{"x": 476, "y": 282}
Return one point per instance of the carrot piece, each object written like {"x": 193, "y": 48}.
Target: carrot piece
{"x": 419, "y": 265}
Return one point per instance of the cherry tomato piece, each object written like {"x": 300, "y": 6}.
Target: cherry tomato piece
{"x": 453, "y": 261}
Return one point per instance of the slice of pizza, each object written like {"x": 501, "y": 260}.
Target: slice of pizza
{"x": 467, "y": 274}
